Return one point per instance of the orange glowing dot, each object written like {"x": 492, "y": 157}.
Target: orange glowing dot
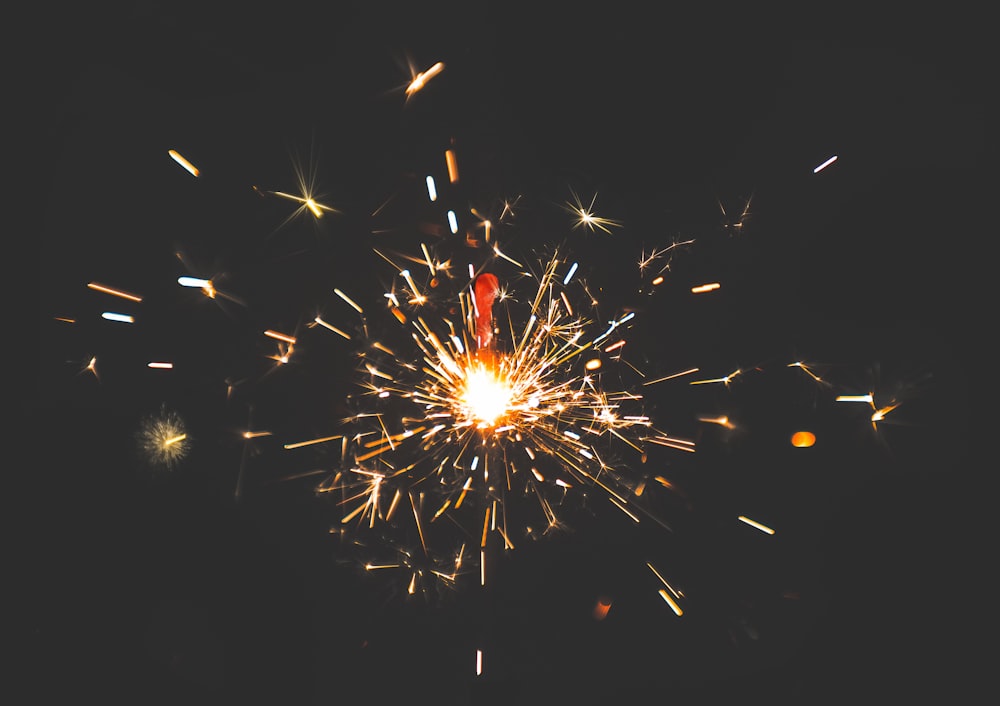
{"x": 803, "y": 439}
{"x": 434, "y": 282}
{"x": 593, "y": 364}
{"x": 601, "y": 608}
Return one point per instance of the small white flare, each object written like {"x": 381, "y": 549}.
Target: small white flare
{"x": 112, "y": 316}
{"x": 825, "y": 164}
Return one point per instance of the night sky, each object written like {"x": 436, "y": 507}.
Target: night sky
{"x": 147, "y": 586}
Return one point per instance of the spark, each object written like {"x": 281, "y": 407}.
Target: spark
{"x": 585, "y": 217}
{"x": 725, "y": 380}
{"x": 432, "y": 193}
{"x": 465, "y": 412}
{"x": 802, "y": 366}
{"x": 310, "y": 442}
{"x": 319, "y": 321}
{"x": 177, "y": 157}
{"x": 867, "y": 399}
{"x": 280, "y": 336}
{"x": 205, "y": 285}
{"x": 114, "y": 316}
{"x": 825, "y": 164}
{"x": 449, "y": 158}
{"x": 420, "y": 80}
{"x": 689, "y": 371}
{"x": 160, "y": 365}
{"x": 163, "y": 439}
{"x": 668, "y": 593}
{"x": 722, "y": 421}
{"x": 91, "y": 367}
{"x": 735, "y": 225}
{"x": 115, "y": 292}
{"x": 702, "y": 288}
{"x": 763, "y": 528}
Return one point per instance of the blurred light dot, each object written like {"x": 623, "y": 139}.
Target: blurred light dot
{"x": 803, "y": 439}
{"x": 593, "y": 364}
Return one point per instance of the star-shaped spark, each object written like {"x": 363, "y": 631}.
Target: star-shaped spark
{"x": 585, "y": 217}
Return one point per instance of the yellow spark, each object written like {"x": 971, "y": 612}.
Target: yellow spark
{"x": 449, "y": 157}
{"x": 163, "y": 439}
{"x": 280, "y": 336}
{"x": 115, "y": 292}
{"x": 879, "y": 414}
{"x": 585, "y": 217}
{"x": 420, "y": 80}
{"x": 752, "y": 523}
{"x": 868, "y": 399}
{"x": 330, "y": 327}
{"x": 307, "y": 202}
{"x": 672, "y": 376}
{"x": 722, "y": 421}
{"x": 176, "y": 156}
{"x": 255, "y": 434}
{"x": 702, "y": 288}
{"x": 310, "y": 442}
{"x": 350, "y": 301}
{"x": 724, "y": 380}
{"x": 160, "y": 365}
{"x": 671, "y": 602}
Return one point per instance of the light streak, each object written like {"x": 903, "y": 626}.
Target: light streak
{"x": 115, "y": 292}
{"x": 114, "y": 316}
{"x": 160, "y": 365}
{"x": 177, "y": 157}
{"x": 702, "y": 288}
{"x": 689, "y": 371}
{"x": 449, "y": 158}
{"x": 311, "y": 442}
{"x": 331, "y": 327}
{"x": 725, "y": 380}
{"x": 825, "y": 164}
{"x": 420, "y": 80}
{"x": 280, "y": 336}
{"x": 763, "y": 528}
{"x": 431, "y": 188}
{"x": 867, "y": 399}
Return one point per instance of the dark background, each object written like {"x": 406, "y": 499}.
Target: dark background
{"x": 150, "y": 587}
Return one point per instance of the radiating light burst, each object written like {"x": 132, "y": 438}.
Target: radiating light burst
{"x": 492, "y": 438}
{"x": 163, "y": 439}
{"x": 484, "y": 417}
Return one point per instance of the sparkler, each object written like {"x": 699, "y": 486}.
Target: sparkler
{"x": 491, "y": 405}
